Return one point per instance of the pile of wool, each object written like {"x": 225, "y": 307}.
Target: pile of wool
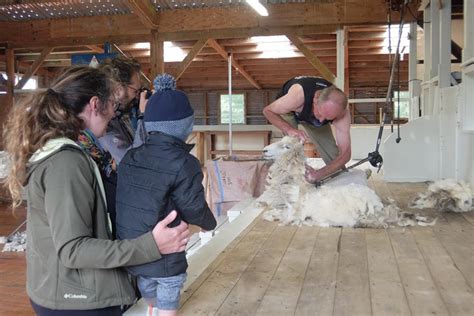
{"x": 15, "y": 243}
{"x": 446, "y": 196}
{"x": 4, "y": 164}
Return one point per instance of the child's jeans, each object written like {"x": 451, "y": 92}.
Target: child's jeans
{"x": 164, "y": 291}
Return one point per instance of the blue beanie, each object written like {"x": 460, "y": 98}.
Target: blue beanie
{"x": 168, "y": 110}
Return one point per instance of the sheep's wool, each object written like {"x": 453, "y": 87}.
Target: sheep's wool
{"x": 15, "y": 243}
{"x": 446, "y": 195}
{"x": 345, "y": 201}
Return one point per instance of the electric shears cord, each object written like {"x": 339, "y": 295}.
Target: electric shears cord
{"x": 374, "y": 157}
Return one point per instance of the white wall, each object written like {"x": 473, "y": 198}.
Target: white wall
{"x": 433, "y": 147}
{"x": 416, "y": 157}
{"x": 471, "y": 167}
{"x": 364, "y": 139}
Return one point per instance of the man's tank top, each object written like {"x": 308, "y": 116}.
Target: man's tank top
{"x": 310, "y": 86}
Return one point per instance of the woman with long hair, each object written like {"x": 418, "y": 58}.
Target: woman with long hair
{"x": 73, "y": 265}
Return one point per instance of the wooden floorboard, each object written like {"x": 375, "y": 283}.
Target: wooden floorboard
{"x": 458, "y": 243}
{"x": 13, "y": 298}
{"x": 352, "y": 287}
{"x": 388, "y": 295}
{"x": 422, "y": 294}
{"x": 211, "y": 294}
{"x": 282, "y": 295}
{"x": 319, "y": 287}
{"x": 245, "y": 297}
{"x": 287, "y": 270}
{"x": 334, "y": 271}
{"x": 453, "y": 287}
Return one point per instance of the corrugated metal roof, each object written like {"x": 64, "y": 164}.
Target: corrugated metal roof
{"x": 17, "y": 10}
{"x": 33, "y": 10}
{"x": 183, "y": 4}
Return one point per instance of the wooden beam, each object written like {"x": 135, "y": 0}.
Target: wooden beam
{"x": 312, "y": 58}
{"x": 34, "y": 68}
{"x": 346, "y": 62}
{"x": 244, "y": 32}
{"x": 157, "y": 58}
{"x": 145, "y": 11}
{"x": 189, "y": 58}
{"x": 10, "y": 55}
{"x": 95, "y": 49}
{"x": 219, "y": 22}
{"x": 214, "y": 44}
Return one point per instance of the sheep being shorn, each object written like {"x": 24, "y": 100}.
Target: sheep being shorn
{"x": 289, "y": 198}
{"x": 345, "y": 201}
{"x": 446, "y": 195}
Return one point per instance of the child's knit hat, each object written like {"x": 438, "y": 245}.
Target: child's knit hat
{"x": 168, "y": 110}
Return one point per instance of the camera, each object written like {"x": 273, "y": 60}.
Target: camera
{"x": 136, "y": 102}
{"x": 148, "y": 92}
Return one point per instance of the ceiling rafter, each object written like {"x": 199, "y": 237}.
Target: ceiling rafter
{"x": 95, "y": 49}
{"x": 145, "y": 12}
{"x": 214, "y": 44}
{"x": 34, "y": 68}
{"x": 312, "y": 58}
{"x": 198, "y": 46}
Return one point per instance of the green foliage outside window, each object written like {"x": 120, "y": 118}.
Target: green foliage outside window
{"x": 404, "y": 104}
{"x": 238, "y": 109}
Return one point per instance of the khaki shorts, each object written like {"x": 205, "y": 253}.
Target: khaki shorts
{"x": 321, "y": 137}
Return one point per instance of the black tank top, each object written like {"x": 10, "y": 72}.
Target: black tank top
{"x": 310, "y": 86}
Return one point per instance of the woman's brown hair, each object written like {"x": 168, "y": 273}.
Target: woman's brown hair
{"x": 47, "y": 115}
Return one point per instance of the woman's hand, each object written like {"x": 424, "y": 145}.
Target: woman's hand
{"x": 170, "y": 240}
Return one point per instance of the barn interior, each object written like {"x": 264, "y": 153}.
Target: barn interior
{"x": 414, "y": 106}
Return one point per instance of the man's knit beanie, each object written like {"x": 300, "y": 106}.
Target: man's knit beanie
{"x": 168, "y": 110}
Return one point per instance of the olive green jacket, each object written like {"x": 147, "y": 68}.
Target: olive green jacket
{"x": 72, "y": 263}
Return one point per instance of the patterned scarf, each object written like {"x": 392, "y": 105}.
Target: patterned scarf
{"x": 90, "y": 144}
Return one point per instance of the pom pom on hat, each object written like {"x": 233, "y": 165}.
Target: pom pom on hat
{"x": 164, "y": 82}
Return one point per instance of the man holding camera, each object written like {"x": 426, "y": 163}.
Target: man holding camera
{"x": 131, "y": 102}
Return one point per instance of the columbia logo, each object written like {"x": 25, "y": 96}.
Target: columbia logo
{"x": 75, "y": 296}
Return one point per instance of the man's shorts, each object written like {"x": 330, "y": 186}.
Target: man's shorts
{"x": 165, "y": 290}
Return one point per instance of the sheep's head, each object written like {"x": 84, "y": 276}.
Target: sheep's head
{"x": 285, "y": 146}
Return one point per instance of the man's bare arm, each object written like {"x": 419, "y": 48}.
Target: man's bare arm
{"x": 343, "y": 139}
{"x": 290, "y": 102}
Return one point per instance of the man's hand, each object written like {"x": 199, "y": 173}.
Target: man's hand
{"x": 301, "y": 135}
{"x": 171, "y": 240}
{"x": 312, "y": 175}
{"x": 143, "y": 101}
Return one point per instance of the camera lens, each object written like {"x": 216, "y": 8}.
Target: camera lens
{"x": 148, "y": 94}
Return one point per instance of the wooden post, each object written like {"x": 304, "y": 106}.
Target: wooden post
{"x": 206, "y": 109}
{"x": 11, "y": 76}
{"x": 200, "y": 147}
{"x": 157, "y": 59}
{"x": 346, "y": 62}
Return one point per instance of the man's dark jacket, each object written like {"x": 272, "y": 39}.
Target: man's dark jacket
{"x": 154, "y": 179}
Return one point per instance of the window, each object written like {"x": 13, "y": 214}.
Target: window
{"x": 32, "y": 83}
{"x": 238, "y": 109}
{"x": 404, "y": 104}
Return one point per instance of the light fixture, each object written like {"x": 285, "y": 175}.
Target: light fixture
{"x": 257, "y": 6}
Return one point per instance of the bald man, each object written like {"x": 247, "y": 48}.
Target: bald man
{"x": 316, "y": 104}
